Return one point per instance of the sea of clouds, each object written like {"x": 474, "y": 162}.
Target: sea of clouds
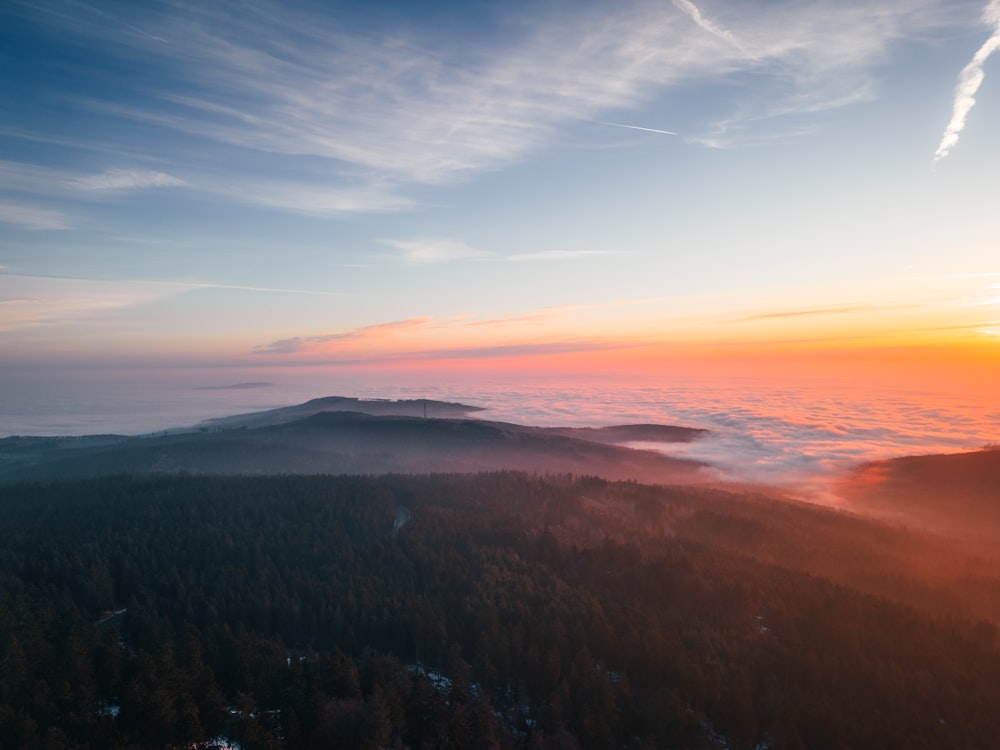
{"x": 795, "y": 435}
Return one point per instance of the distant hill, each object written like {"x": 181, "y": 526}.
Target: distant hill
{"x": 417, "y": 407}
{"x": 330, "y": 441}
{"x": 957, "y": 492}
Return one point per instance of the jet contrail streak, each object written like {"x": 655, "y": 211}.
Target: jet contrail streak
{"x": 969, "y": 81}
{"x": 692, "y": 10}
{"x": 636, "y": 127}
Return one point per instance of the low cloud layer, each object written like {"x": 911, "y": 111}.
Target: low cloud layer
{"x": 800, "y": 437}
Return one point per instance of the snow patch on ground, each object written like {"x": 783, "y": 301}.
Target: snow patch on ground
{"x": 217, "y": 743}
{"x": 441, "y": 683}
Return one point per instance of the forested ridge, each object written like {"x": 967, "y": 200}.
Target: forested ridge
{"x": 509, "y": 611}
{"x": 345, "y": 442}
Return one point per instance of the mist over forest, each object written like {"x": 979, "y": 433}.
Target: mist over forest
{"x": 311, "y": 577}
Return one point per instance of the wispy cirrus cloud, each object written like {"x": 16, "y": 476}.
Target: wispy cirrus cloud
{"x": 378, "y": 332}
{"x": 434, "y": 250}
{"x": 441, "y": 249}
{"x": 378, "y": 111}
{"x": 808, "y": 59}
{"x": 703, "y": 23}
{"x": 540, "y": 331}
{"x": 509, "y": 320}
{"x": 562, "y": 255}
{"x": 813, "y": 311}
{"x": 192, "y": 285}
{"x": 38, "y": 300}
{"x": 508, "y": 99}
{"x": 479, "y": 352}
{"x": 34, "y": 301}
{"x": 67, "y": 184}
{"x": 295, "y": 195}
{"x": 28, "y": 216}
{"x": 969, "y": 81}
{"x": 125, "y": 179}
{"x": 311, "y": 197}
{"x": 532, "y": 349}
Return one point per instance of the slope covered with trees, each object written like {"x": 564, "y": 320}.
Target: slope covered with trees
{"x": 342, "y": 442}
{"x": 506, "y": 611}
{"x": 959, "y": 491}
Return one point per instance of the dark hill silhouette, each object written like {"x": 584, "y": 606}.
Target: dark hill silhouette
{"x": 347, "y": 442}
{"x": 417, "y": 407}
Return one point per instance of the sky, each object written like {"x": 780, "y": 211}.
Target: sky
{"x": 767, "y": 186}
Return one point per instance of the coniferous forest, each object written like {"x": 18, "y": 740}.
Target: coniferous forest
{"x": 481, "y": 611}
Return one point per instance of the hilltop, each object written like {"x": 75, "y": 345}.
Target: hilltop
{"x": 337, "y": 435}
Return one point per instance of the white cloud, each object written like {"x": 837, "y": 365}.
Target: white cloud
{"x": 409, "y": 108}
{"x": 378, "y": 111}
{"x": 378, "y": 332}
{"x": 36, "y": 300}
{"x": 301, "y": 197}
{"x": 43, "y": 300}
{"x": 44, "y": 180}
{"x": 434, "y": 250}
{"x": 125, "y": 179}
{"x": 289, "y": 195}
{"x": 561, "y": 254}
{"x": 30, "y": 178}
{"x": 181, "y": 286}
{"x": 692, "y": 10}
{"x": 33, "y": 217}
{"x": 969, "y": 81}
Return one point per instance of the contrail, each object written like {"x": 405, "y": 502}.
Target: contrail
{"x": 692, "y": 10}
{"x": 969, "y": 81}
{"x": 636, "y": 127}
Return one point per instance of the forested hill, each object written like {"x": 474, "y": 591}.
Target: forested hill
{"x": 958, "y": 492}
{"x": 497, "y": 611}
{"x": 380, "y": 407}
{"x": 339, "y": 442}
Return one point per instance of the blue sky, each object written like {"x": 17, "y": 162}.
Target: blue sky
{"x": 284, "y": 182}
